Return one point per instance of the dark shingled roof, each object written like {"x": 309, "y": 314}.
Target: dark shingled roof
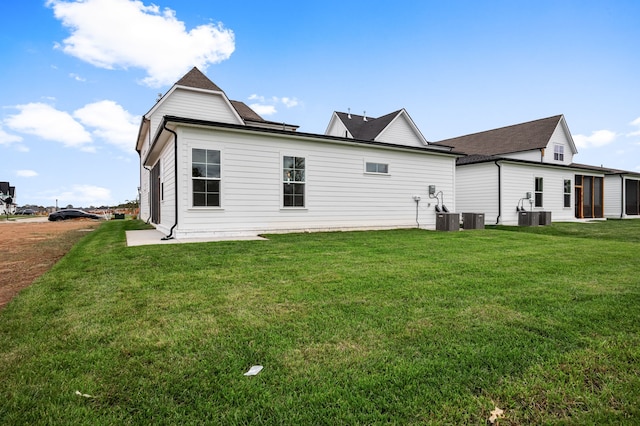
{"x": 516, "y": 138}
{"x": 245, "y": 112}
{"x": 195, "y": 78}
{"x": 366, "y": 130}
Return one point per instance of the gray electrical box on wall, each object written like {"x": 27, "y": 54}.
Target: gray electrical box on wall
{"x": 432, "y": 189}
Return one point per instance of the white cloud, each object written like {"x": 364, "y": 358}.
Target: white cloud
{"x": 110, "y": 122}
{"x": 6, "y": 138}
{"x": 289, "y": 102}
{"x": 266, "y": 106}
{"x": 83, "y": 196}
{"x": 76, "y": 77}
{"x": 105, "y": 120}
{"x": 636, "y": 123}
{"x": 50, "y": 124}
{"x": 262, "y": 109}
{"x": 26, "y": 173}
{"x": 598, "y": 138}
{"x": 125, "y": 33}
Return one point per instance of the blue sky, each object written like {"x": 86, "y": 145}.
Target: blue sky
{"x": 77, "y": 76}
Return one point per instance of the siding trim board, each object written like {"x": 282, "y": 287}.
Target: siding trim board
{"x": 575, "y": 168}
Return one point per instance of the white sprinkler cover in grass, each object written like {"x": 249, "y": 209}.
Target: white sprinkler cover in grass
{"x": 255, "y": 369}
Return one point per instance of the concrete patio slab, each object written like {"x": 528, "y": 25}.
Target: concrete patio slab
{"x": 154, "y": 237}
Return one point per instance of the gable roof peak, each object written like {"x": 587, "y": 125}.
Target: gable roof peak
{"x": 196, "y": 79}
{"x": 365, "y": 127}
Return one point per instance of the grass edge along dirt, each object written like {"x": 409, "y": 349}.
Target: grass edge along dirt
{"x": 404, "y": 326}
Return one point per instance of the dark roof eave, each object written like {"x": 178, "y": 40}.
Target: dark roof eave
{"x": 494, "y": 158}
{"x": 205, "y": 123}
{"x": 144, "y": 125}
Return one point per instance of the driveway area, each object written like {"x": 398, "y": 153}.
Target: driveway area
{"x": 29, "y": 247}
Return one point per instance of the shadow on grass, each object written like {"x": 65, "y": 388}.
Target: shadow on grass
{"x": 612, "y": 230}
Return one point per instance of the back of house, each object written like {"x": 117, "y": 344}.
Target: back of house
{"x": 211, "y": 166}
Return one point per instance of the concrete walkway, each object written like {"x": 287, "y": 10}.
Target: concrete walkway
{"x": 154, "y": 237}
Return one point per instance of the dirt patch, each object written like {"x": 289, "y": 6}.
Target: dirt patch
{"x": 29, "y": 249}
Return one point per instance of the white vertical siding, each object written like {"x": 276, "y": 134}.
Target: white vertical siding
{"x": 145, "y": 190}
{"x": 477, "y": 190}
{"x": 196, "y": 105}
{"x": 558, "y": 137}
{"x": 534, "y": 155}
{"x": 518, "y": 179}
{"x": 339, "y": 194}
{"x": 145, "y": 195}
{"x": 400, "y": 132}
{"x": 336, "y": 128}
{"x": 167, "y": 182}
{"x": 613, "y": 201}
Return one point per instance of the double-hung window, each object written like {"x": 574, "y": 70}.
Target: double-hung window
{"x": 205, "y": 175}
{"x": 538, "y": 192}
{"x": 567, "y": 192}
{"x": 558, "y": 152}
{"x": 293, "y": 181}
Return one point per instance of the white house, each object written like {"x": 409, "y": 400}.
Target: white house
{"x": 7, "y": 198}
{"x": 526, "y": 166}
{"x": 621, "y": 192}
{"x": 210, "y": 166}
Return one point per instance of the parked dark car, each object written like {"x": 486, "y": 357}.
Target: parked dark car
{"x": 71, "y": 214}
{"x": 26, "y": 211}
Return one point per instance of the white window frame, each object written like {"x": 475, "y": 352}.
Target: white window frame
{"x": 537, "y": 192}
{"x": 219, "y": 179}
{"x": 558, "y": 152}
{"x": 377, "y": 163}
{"x": 303, "y": 182}
{"x": 565, "y": 193}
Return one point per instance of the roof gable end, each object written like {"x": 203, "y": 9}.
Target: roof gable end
{"x": 398, "y": 120}
{"x": 382, "y": 129}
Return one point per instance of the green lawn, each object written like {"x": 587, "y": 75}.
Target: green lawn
{"x": 400, "y": 327}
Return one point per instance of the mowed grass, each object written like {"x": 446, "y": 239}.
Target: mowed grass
{"x": 399, "y": 327}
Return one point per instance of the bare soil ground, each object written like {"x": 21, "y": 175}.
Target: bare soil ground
{"x": 29, "y": 248}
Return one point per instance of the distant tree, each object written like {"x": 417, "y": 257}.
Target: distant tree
{"x": 69, "y": 206}
{"x": 128, "y": 204}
